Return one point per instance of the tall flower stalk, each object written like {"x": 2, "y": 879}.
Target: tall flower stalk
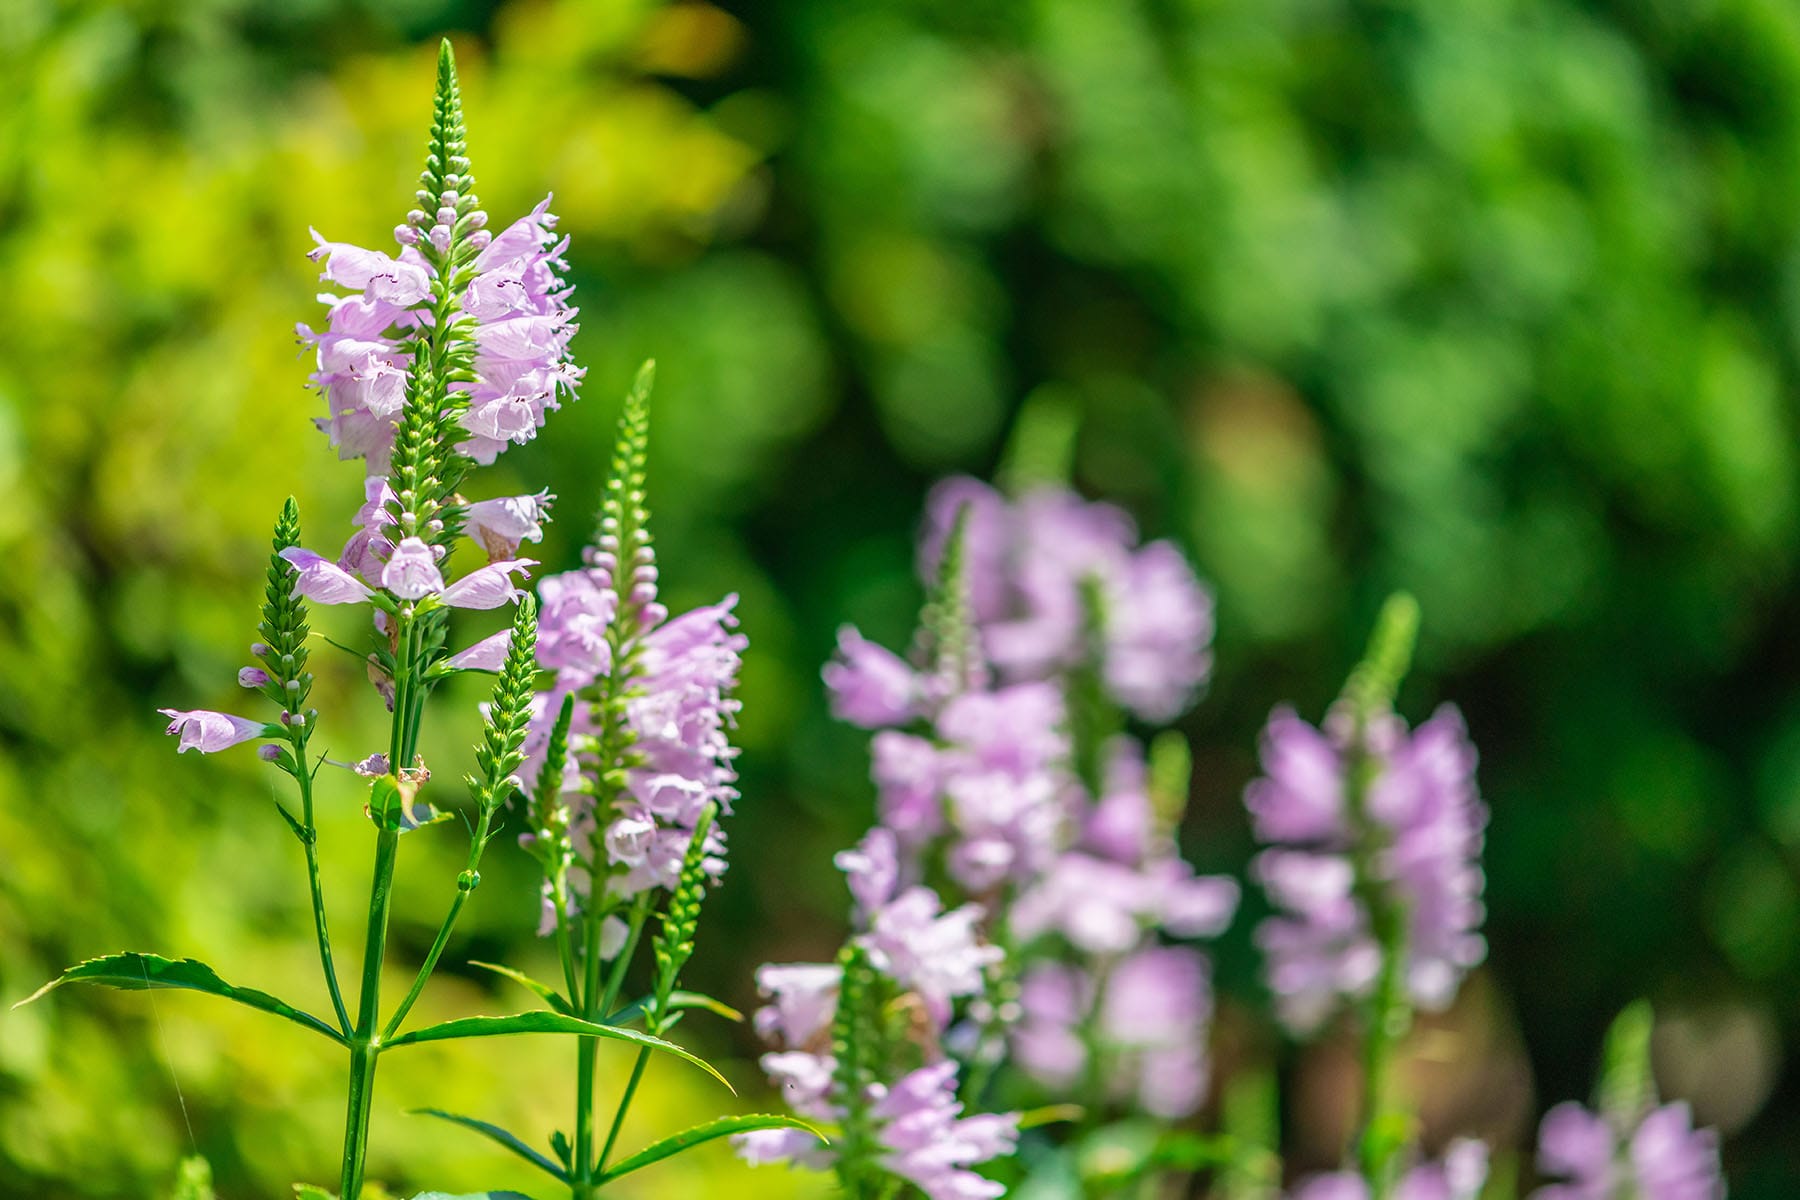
{"x": 435, "y": 360}
{"x": 1373, "y": 867}
{"x": 1023, "y": 918}
{"x": 631, "y": 760}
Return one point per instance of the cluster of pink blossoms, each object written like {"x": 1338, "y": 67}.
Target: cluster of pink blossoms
{"x": 1029, "y": 561}
{"x": 973, "y": 765}
{"x": 516, "y": 300}
{"x": 1661, "y": 1157}
{"x": 937, "y": 957}
{"x": 677, "y": 715}
{"x": 1415, "y": 831}
{"x": 1460, "y": 1175}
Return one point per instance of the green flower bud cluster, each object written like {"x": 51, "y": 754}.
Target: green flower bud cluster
{"x": 502, "y": 747}
{"x": 680, "y": 921}
{"x": 281, "y": 645}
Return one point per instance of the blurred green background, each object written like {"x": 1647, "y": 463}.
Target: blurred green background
{"x": 1497, "y": 300}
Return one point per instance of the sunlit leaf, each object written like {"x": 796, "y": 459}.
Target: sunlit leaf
{"x": 543, "y": 991}
{"x": 548, "y": 1022}
{"x": 700, "y": 1134}
{"x": 134, "y": 972}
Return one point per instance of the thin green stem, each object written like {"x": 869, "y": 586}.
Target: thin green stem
{"x": 365, "y": 1046}
{"x": 631, "y": 1086}
{"x": 464, "y": 885}
{"x": 582, "y": 1186}
{"x": 320, "y": 927}
{"x": 565, "y": 946}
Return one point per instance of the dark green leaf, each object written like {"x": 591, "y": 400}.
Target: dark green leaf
{"x": 546, "y": 1022}
{"x": 494, "y": 1133}
{"x": 135, "y": 972}
{"x": 699, "y": 1134}
{"x": 543, "y": 991}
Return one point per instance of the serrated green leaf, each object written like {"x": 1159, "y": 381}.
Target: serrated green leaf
{"x": 677, "y": 1000}
{"x": 134, "y": 972}
{"x": 543, "y": 991}
{"x": 548, "y": 1022}
{"x": 501, "y": 1136}
{"x": 699, "y": 1134}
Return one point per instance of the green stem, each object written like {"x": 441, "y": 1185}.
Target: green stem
{"x": 565, "y": 946}
{"x": 320, "y": 927}
{"x": 596, "y": 1004}
{"x": 365, "y": 1046}
{"x": 582, "y": 1186}
{"x": 464, "y": 885}
{"x": 631, "y": 1086}
{"x": 1388, "y": 1015}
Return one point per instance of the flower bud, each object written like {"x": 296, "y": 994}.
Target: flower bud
{"x": 479, "y": 239}
{"x": 259, "y": 649}
{"x": 406, "y": 235}
{"x": 252, "y": 677}
{"x": 269, "y": 751}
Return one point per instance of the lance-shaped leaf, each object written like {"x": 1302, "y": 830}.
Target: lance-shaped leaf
{"x": 501, "y": 1136}
{"x": 548, "y": 1022}
{"x": 689, "y": 1138}
{"x": 135, "y": 972}
{"x": 677, "y": 1000}
{"x": 542, "y": 991}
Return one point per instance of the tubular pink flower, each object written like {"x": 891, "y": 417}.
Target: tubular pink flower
{"x": 500, "y": 525}
{"x": 411, "y": 572}
{"x": 209, "y": 732}
{"x": 323, "y": 581}
{"x": 489, "y": 654}
{"x": 489, "y": 587}
{"x": 384, "y": 279}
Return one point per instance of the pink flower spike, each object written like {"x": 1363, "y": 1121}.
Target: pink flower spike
{"x": 323, "y": 581}
{"x": 490, "y": 587}
{"x": 489, "y": 654}
{"x": 412, "y": 572}
{"x": 209, "y": 732}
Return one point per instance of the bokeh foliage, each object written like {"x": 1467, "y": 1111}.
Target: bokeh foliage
{"x": 1494, "y": 300}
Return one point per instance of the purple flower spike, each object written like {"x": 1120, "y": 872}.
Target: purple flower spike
{"x": 210, "y": 732}
{"x": 323, "y": 581}
{"x": 412, "y": 572}
{"x": 1420, "y": 842}
{"x": 489, "y": 587}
